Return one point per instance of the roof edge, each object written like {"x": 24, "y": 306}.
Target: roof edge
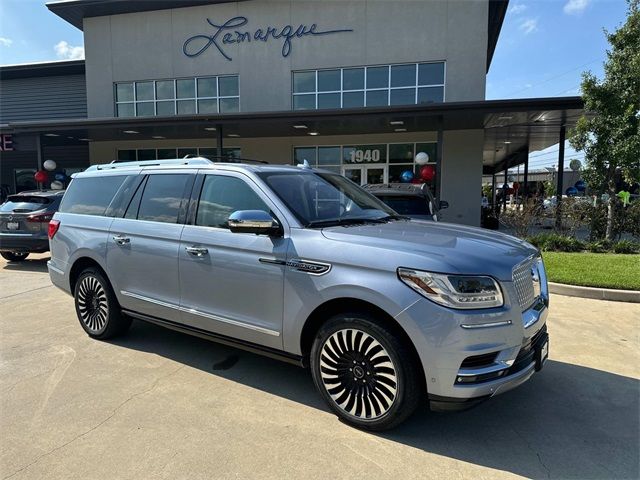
{"x": 497, "y": 12}
{"x": 42, "y": 69}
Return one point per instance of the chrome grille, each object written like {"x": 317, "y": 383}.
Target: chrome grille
{"x": 523, "y": 282}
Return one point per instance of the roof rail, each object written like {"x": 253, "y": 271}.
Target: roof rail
{"x": 152, "y": 163}
{"x": 232, "y": 159}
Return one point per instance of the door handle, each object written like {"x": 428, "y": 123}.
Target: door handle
{"x": 197, "y": 251}
{"x": 121, "y": 239}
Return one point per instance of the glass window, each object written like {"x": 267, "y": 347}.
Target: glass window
{"x": 377, "y": 98}
{"x": 231, "y": 153}
{"x": 208, "y": 152}
{"x": 207, "y": 87}
{"x": 183, "y": 152}
{"x": 377, "y": 77}
{"x": 352, "y": 99}
{"x": 125, "y": 110}
{"x": 24, "y": 203}
{"x": 304, "y": 82}
{"x": 144, "y": 91}
{"x": 162, "y": 198}
{"x": 144, "y": 109}
{"x": 166, "y": 153}
{"x": 124, "y": 92}
{"x": 165, "y": 90}
{"x": 228, "y": 86}
{"x": 431, "y": 73}
{"x": 304, "y": 102}
{"x": 186, "y": 107}
{"x": 328, "y": 80}
{"x": 92, "y": 195}
{"x": 208, "y": 106}
{"x": 428, "y": 148}
{"x": 430, "y": 94}
{"x": 403, "y": 75}
{"x": 132, "y": 209}
{"x": 353, "y": 79}
{"x": 300, "y": 154}
{"x": 166, "y": 108}
{"x": 229, "y": 105}
{"x": 147, "y": 154}
{"x": 127, "y": 155}
{"x": 328, "y": 100}
{"x": 401, "y": 153}
{"x": 186, "y": 88}
{"x": 403, "y": 96}
{"x": 221, "y": 196}
{"x": 328, "y": 156}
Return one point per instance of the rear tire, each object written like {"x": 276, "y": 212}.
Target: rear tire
{"x": 97, "y": 306}
{"x": 14, "y": 256}
{"x": 365, "y": 373}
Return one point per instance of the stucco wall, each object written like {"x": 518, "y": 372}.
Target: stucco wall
{"x": 148, "y": 45}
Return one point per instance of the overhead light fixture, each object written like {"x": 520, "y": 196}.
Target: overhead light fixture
{"x": 505, "y": 117}
{"x": 300, "y": 126}
{"x": 233, "y": 135}
{"x": 71, "y": 138}
{"x": 130, "y": 131}
{"x": 210, "y": 129}
{"x": 85, "y": 139}
{"x": 400, "y": 129}
{"x": 396, "y": 122}
{"x": 51, "y": 135}
{"x": 313, "y": 133}
{"x": 157, "y": 137}
{"x": 507, "y": 142}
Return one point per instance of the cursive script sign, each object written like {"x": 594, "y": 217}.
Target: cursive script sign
{"x": 228, "y": 33}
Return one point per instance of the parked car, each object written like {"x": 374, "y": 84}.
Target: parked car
{"x": 305, "y": 266}
{"x": 412, "y": 200}
{"x": 24, "y": 222}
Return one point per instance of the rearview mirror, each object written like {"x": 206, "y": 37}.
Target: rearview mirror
{"x": 253, "y": 221}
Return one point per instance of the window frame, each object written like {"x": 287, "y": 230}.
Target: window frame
{"x": 184, "y": 202}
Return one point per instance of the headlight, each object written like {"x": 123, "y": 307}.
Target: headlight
{"x": 455, "y": 291}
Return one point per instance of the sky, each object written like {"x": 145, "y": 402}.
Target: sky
{"x": 544, "y": 47}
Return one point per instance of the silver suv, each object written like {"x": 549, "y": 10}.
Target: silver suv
{"x": 305, "y": 266}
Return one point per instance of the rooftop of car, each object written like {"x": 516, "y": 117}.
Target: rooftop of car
{"x": 396, "y": 189}
{"x": 39, "y": 193}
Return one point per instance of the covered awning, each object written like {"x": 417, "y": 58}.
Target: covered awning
{"x": 512, "y": 128}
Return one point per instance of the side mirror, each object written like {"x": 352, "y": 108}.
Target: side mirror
{"x": 444, "y": 204}
{"x": 253, "y": 221}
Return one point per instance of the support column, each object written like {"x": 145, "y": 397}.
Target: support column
{"x": 439, "y": 148}
{"x": 39, "y": 153}
{"x": 560, "y": 177}
{"x": 493, "y": 192}
{"x": 219, "y": 142}
{"x": 525, "y": 189}
{"x": 504, "y": 190}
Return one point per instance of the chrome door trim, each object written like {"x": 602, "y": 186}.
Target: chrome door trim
{"x": 201, "y": 314}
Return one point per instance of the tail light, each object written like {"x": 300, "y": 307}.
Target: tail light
{"x": 54, "y": 225}
{"x": 41, "y": 218}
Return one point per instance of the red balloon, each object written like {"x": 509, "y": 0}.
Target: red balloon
{"x": 41, "y": 176}
{"x": 516, "y": 186}
{"x": 427, "y": 173}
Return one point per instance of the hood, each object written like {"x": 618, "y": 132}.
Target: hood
{"x": 439, "y": 247}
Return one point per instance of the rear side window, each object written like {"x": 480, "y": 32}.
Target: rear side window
{"x": 24, "y": 203}
{"x": 91, "y": 195}
{"x": 221, "y": 196}
{"x": 162, "y": 198}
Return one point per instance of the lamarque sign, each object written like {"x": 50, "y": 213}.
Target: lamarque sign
{"x": 228, "y": 34}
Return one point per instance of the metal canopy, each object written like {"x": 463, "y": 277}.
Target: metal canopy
{"x": 512, "y": 127}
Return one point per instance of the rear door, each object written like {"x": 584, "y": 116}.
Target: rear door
{"x": 142, "y": 248}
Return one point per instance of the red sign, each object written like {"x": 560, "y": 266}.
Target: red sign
{"x": 6, "y": 143}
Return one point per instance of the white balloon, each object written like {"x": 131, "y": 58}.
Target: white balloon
{"x": 57, "y": 185}
{"x": 49, "y": 165}
{"x": 422, "y": 158}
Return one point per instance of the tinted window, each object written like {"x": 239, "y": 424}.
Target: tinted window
{"x": 92, "y": 195}
{"x": 221, "y": 196}
{"x": 162, "y": 198}
{"x": 24, "y": 203}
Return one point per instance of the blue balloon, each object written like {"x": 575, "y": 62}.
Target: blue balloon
{"x": 406, "y": 176}
{"x": 61, "y": 177}
{"x": 571, "y": 191}
{"x": 580, "y": 185}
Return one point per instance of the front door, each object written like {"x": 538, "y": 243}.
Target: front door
{"x": 232, "y": 283}
{"x": 366, "y": 174}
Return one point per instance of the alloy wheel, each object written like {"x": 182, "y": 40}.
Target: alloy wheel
{"x": 358, "y": 373}
{"x": 93, "y": 307}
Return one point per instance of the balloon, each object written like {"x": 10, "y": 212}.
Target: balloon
{"x": 41, "y": 176}
{"x": 49, "y": 165}
{"x": 427, "y": 173}
{"x": 571, "y": 191}
{"x": 422, "y": 158}
{"x": 406, "y": 176}
{"x": 61, "y": 177}
{"x": 580, "y": 185}
{"x": 511, "y": 178}
{"x": 516, "y": 186}
{"x": 57, "y": 185}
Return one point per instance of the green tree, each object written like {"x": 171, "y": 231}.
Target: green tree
{"x": 609, "y": 133}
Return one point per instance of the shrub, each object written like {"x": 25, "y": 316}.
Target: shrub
{"x": 626, "y": 246}
{"x": 552, "y": 242}
{"x": 599, "y": 246}
{"x": 522, "y": 218}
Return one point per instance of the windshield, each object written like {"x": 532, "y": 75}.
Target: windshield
{"x": 24, "y": 203}
{"x": 324, "y": 199}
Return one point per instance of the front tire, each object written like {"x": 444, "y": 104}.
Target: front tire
{"x": 97, "y": 307}
{"x": 365, "y": 373}
{"x": 14, "y": 256}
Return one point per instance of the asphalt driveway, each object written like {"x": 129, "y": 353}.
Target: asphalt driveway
{"x": 160, "y": 404}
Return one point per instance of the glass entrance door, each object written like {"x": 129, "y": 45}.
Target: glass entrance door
{"x": 366, "y": 174}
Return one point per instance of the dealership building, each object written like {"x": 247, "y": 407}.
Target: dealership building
{"x": 359, "y": 87}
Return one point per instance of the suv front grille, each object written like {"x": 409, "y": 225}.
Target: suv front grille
{"x": 523, "y": 282}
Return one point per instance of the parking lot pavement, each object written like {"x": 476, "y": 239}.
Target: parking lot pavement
{"x": 159, "y": 404}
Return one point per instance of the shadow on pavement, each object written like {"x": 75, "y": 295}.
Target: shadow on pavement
{"x": 568, "y": 421}
{"x": 28, "y": 265}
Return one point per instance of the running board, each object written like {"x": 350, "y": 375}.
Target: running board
{"x": 223, "y": 339}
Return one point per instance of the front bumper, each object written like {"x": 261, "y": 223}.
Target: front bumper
{"x": 23, "y": 242}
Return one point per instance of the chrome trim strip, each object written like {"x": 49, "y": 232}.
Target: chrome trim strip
{"x": 472, "y": 372}
{"x": 55, "y": 269}
{"x": 272, "y": 261}
{"x": 193, "y": 311}
{"x": 2, "y": 234}
{"x": 472, "y": 326}
{"x": 531, "y": 316}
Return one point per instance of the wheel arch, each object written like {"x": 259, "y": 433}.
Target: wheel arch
{"x": 81, "y": 264}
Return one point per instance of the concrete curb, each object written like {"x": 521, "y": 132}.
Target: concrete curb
{"x": 596, "y": 293}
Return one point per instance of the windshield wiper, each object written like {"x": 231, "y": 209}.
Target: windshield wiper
{"x": 342, "y": 221}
